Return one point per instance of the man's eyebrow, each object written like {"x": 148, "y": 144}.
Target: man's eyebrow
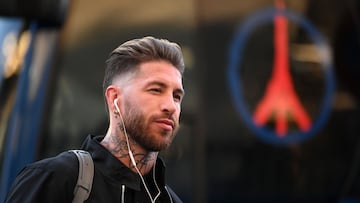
{"x": 158, "y": 83}
{"x": 181, "y": 91}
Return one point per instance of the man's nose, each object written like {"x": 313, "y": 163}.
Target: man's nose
{"x": 168, "y": 105}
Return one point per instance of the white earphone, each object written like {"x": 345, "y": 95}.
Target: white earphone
{"x": 116, "y": 106}
{"x": 127, "y": 139}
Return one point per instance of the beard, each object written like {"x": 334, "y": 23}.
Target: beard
{"x": 138, "y": 129}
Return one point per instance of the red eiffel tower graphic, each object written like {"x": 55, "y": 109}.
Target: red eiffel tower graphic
{"x": 280, "y": 99}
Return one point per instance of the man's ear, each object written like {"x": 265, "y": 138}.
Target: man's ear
{"x": 112, "y": 92}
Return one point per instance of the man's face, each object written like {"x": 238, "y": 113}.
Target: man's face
{"x": 152, "y": 104}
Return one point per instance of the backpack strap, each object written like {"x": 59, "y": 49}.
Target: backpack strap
{"x": 85, "y": 178}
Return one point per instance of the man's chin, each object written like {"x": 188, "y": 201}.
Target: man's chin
{"x": 160, "y": 145}
{"x": 159, "y": 141}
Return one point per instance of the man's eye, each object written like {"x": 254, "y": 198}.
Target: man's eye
{"x": 178, "y": 97}
{"x": 155, "y": 90}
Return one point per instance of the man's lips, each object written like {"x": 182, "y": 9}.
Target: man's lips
{"x": 166, "y": 122}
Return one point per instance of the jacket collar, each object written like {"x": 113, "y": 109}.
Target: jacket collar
{"x": 114, "y": 170}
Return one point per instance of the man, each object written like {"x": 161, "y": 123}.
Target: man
{"x": 143, "y": 92}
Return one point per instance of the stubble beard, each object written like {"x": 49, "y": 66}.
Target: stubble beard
{"x": 138, "y": 130}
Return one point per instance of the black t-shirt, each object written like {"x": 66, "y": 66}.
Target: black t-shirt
{"x": 53, "y": 180}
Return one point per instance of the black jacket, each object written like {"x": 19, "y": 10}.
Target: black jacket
{"x": 53, "y": 180}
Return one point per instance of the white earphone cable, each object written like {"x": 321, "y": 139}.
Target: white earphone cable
{"x": 134, "y": 162}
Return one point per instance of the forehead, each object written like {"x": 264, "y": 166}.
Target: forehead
{"x": 159, "y": 71}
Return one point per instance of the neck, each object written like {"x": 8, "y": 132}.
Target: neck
{"x": 115, "y": 141}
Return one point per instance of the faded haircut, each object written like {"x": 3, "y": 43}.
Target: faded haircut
{"x": 127, "y": 57}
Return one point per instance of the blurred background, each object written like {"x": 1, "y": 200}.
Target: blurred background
{"x": 233, "y": 145}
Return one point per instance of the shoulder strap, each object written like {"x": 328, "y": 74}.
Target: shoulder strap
{"x": 86, "y": 173}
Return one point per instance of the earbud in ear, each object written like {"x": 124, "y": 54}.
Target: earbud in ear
{"x": 116, "y": 106}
